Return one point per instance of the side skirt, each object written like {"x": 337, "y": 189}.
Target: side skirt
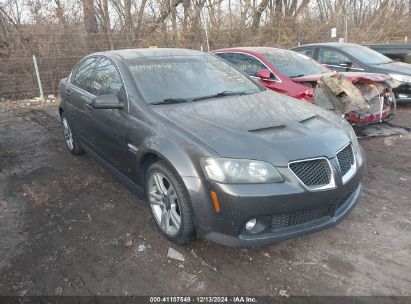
{"x": 118, "y": 176}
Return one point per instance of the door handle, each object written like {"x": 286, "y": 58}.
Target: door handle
{"x": 68, "y": 92}
{"x": 89, "y": 107}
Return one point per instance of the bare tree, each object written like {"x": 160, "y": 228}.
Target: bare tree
{"x": 90, "y": 19}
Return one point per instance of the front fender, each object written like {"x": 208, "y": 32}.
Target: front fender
{"x": 181, "y": 156}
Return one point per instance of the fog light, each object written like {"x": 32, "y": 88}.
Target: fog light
{"x": 251, "y": 224}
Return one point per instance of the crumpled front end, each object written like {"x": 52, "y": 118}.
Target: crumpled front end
{"x": 361, "y": 98}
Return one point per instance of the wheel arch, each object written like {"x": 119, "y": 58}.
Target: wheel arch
{"x": 176, "y": 159}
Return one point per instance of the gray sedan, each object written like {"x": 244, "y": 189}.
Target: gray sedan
{"x": 215, "y": 155}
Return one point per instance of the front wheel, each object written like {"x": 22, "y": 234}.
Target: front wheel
{"x": 169, "y": 203}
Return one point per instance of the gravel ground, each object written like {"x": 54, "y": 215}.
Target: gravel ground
{"x": 68, "y": 228}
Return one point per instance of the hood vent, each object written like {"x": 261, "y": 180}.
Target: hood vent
{"x": 316, "y": 123}
{"x": 275, "y": 133}
{"x": 267, "y": 129}
{"x": 306, "y": 120}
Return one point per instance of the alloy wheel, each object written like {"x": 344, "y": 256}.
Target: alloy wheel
{"x": 68, "y": 135}
{"x": 164, "y": 203}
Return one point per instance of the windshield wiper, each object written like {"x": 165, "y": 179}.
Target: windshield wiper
{"x": 295, "y": 76}
{"x": 171, "y": 100}
{"x": 381, "y": 63}
{"x": 179, "y": 100}
{"x": 221, "y": 94}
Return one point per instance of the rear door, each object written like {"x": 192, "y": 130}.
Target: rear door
{"x": 78, "y": 94}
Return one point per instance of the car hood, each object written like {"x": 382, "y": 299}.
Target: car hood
{"x": 352, "y": 76}
{"x": 313, "y": 77}
{"x": 395, "y": 67}
{"x": 265, "y": 126}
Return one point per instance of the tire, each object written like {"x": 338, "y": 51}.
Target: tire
{"x": 173, "y": 199}
{"x": 72, "y": 143}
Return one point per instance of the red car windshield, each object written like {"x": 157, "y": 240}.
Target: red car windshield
{"x": 293, "y": 64}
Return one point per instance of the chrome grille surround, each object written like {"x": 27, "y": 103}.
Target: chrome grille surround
{"x": 347, "y": 162}
{"x": 301, "y": 170}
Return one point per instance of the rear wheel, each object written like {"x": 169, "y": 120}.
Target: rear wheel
{"x": 71, "y": 141}
{"x": 169, "y": 203}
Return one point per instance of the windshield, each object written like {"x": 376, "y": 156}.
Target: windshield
{"x": 293, "y": 64}
{"x": 366, "y": 55}
{"x": 188, "y": 78}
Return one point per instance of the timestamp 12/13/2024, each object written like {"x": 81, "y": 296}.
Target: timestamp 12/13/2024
{"x": 203, "y": 299}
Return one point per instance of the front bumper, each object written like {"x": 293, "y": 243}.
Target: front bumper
{"x": 403, "y": 93}
{"x": 368, "y": 118}
{"x": 286, "y": 210}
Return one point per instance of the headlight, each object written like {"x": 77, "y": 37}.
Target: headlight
{"x": 225, "y": 170}
{"x": 353, "y": 138}
{"x": 354, "y": 141}
{"x": 401, "y": 77}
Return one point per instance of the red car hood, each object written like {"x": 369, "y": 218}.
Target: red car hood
{"x": 352, "y": 76}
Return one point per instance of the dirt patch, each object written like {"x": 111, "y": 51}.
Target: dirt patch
{"x": 67, "y": 234}
{"x": 41, "y": 117}
{"x": 46, "y": 184}
{"x": 3, "y": 207}
{"x": 8, "y": 105}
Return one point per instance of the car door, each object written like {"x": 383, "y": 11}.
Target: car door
{"x": 78, "y": 95}
{"x": 107, "y": 126}
{"x": 336, "y": 60}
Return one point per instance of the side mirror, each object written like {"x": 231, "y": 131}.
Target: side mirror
{"x": 109, "y": 101}
{"x": 264, "y": 74}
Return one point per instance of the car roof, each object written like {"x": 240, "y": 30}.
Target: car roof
{"x": 258, "y": 50}
{"x": 332, "y": 44}
{"x": 129, "y": 54}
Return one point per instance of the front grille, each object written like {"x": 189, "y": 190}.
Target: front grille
{"x": 314, "y": 172}
{"x": 295, "y": 218}
{"x": 288, "y": 220}
{"x": 345, "y": 159}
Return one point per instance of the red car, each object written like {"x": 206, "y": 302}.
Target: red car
{"x": 298, "y": 76}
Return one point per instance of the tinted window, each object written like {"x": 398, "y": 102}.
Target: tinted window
{"x": 187, "y": 77}
{"x": 307, "y": 52}
{"x": 331, "y": 57}
{"x": 293, "y": 64}
{"x": 246, "y": 63}
{"x": 108, "y": 80}
{"x": 83, "y": 75}
{"x": 227, "y": 56}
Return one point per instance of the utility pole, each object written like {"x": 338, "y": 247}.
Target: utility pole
{"x": 36, "y": 67}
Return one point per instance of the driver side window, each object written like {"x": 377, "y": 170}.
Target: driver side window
{"x": 243, "y": 62}
{"x": 108, "y": 80}
{"x": 331, "y": 57}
